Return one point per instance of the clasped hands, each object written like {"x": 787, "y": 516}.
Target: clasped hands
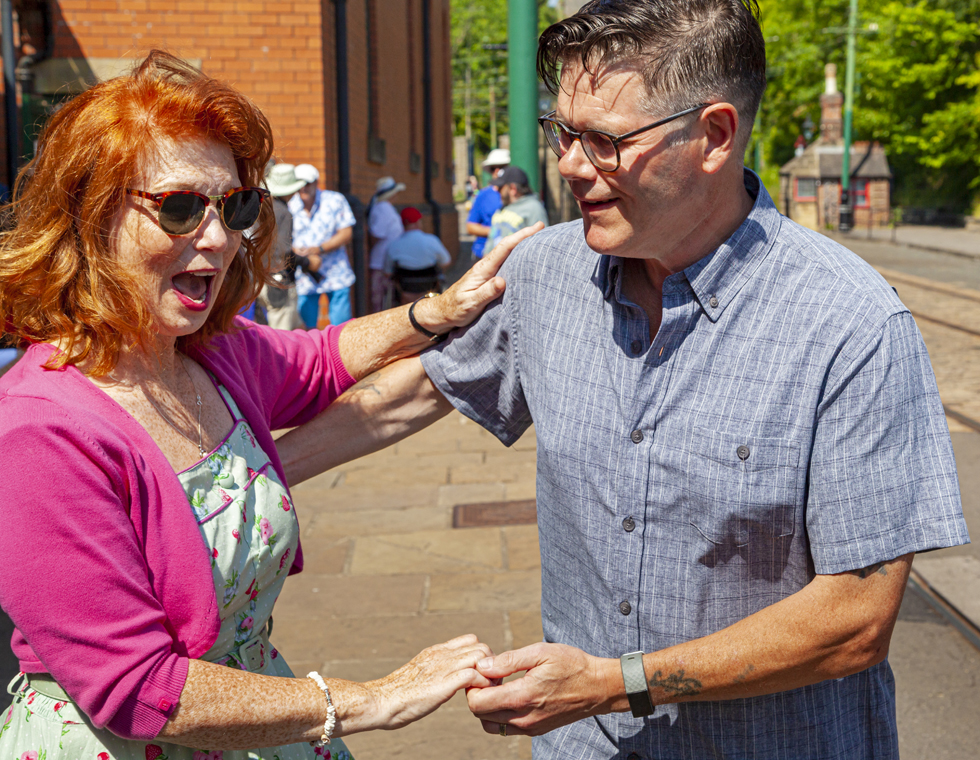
{"x": 560, "y": 685}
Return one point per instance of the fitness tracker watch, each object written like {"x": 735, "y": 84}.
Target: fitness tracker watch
{"x": 635, "y": 679}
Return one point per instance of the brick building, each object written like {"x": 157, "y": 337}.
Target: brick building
{"x": 285, "y": 56}
{"x": 810, "y": 184}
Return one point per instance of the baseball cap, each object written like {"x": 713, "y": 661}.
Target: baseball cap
{"x": 410, "y": 215}
{"x": 307, "y": 173}
{"x": 496, "y": 157}
{"x": 512, "y": 174}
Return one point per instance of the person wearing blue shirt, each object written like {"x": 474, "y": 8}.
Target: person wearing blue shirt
{"x": 487, "y": 201}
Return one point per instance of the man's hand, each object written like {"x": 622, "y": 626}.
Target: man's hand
{"x": 562, "y": 685}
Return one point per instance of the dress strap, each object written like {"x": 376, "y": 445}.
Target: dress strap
{"x": 233, "y": 409}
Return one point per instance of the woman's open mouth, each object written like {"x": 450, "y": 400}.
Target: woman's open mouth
{"x": 193, "y": 289}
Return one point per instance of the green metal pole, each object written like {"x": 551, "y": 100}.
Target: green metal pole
{"x": 846, "y": 208}
{"x": 522, "y": 106}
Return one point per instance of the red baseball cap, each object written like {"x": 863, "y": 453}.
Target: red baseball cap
{"x": 410, "y": 215}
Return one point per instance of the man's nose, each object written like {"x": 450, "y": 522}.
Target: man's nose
{"x": 575, "y": 164}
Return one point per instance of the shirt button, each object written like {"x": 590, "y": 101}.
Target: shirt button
{"x": 636, "y": 436}
{"x": 713, "y": 302}
{"x": 629, "y": 525}
{"x": 633, "y": 756}
{"x": 636, "y": 346}
{"x": 743, "y": 452}
{"x": 625, "y": 607}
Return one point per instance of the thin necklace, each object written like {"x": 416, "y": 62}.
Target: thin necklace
{"x": 166, "y": 417}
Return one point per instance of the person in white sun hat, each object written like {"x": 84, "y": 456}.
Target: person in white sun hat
{"x": 384, "y": 225}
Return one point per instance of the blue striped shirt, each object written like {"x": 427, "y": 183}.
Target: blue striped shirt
{"x": 784, "y": 421}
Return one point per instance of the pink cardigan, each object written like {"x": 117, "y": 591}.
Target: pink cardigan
{"x": 105, "y": 574}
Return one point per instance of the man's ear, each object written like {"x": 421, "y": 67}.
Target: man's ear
{"x": 719, "y": 128}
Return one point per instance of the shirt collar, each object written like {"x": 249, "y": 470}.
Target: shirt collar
{"x": 716, "y": 278}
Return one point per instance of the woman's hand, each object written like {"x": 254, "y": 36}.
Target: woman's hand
{"x": 428, "y": 681}
{"x": 467, "y": 298}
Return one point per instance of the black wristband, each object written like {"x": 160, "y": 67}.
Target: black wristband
{"x": 433, "y": 337}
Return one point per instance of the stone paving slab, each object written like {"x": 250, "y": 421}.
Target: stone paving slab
{"x": 386, "y": 575}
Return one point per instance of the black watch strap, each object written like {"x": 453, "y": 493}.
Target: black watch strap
{"x": 635, "y": 679}
{"x": 433, "y": 337}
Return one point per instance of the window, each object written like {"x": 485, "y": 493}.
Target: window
{"x": 806, "y": 189}
{"x": 859, "y": 193}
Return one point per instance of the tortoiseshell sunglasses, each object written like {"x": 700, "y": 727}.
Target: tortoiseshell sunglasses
{"x": 182, "y": 211}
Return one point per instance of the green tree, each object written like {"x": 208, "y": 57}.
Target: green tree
{"x": 478, "y": 31}
{"x": 917, "y": 89}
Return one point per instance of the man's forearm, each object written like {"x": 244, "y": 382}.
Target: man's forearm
{"x": 341, "y": 238}
{"x": 478, "y": 230}
{"x": 835, "y": 626}
{"x": 383, "y": 408}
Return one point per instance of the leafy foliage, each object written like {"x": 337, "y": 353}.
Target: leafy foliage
{"x": 476, "y": 24}
{"x": 917, "y": 87}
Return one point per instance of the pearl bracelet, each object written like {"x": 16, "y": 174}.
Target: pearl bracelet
{"x": 331, "y": 721}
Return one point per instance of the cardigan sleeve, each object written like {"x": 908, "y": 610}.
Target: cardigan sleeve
{"x": 74, "y": 579}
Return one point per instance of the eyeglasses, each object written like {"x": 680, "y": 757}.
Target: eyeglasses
{"x": 182, "y": 211}
{"x": 601, "y": 148}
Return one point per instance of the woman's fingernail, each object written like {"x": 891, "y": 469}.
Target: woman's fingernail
{"x": 485, "y": 663}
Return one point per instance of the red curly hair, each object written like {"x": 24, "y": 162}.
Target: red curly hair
{"x": 59, "y": 278}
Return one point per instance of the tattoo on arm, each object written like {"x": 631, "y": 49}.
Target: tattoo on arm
{"x": 676, "y": 684}
{"x": 367, "y": 385}
{"x": 864, "y": 572}
{"x": 740, "y": 678}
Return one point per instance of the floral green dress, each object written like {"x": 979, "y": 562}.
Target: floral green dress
{"x": 248, "y": 524}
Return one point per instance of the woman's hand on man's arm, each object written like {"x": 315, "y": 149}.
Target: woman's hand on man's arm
{"x": 371, "y": 342}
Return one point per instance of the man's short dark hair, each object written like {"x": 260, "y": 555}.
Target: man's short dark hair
{"x": 689, "y": 51}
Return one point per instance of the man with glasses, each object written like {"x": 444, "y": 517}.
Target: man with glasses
{"x": 740, "y": 442}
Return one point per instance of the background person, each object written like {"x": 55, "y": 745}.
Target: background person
{"x": 520, "y": 207}
{"x": 148, "y": 566}
{"x": 740, "y": 440}
{"x": 384, "y": 225}
{"x": 323, "y": 225}
{"x": 279, "y": 298}
{"x": 487, "y": 201}
{"x": 415, "y": 260}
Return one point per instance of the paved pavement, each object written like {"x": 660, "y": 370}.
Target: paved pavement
{"x": 940, "y": 239}
{"x": 387, "y": 575}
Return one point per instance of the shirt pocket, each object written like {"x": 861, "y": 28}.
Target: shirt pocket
{"x": 743, "y": 489}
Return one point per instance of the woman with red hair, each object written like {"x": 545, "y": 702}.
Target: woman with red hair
{"x": 147, "y": 521}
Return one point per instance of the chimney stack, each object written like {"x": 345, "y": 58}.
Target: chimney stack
{"x": 831, "y": 109}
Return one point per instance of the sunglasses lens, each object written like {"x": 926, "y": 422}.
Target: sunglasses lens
{"x": 181, "y": 213}
{"x": 241, "y": 209}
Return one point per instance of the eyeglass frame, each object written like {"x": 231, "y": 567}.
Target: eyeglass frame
{"x": 614, "y": 139}
{"x": 218, "y": 200}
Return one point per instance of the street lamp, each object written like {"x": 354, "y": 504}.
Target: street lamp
{"x": 846, "y": 209}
